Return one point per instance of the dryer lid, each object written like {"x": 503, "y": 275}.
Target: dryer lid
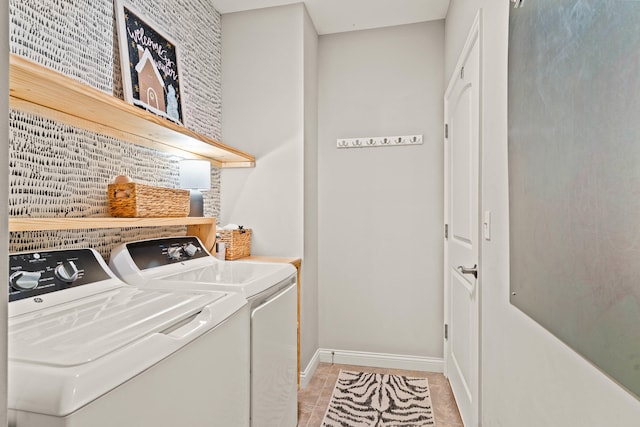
{"x": 87, "y": 329}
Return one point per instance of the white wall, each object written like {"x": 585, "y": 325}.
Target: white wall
{"x": 4, "y": 186}
{"x": 529, "y": 378}
{"x": 381, "y": 209}
{"x": 309, "y": 280}
{"x": 263, "y": 114}
{"x": 269, "y": 96}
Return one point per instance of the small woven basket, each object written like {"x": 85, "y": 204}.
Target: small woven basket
{"x": 131, "y": 200}
{"x": 237, "y": 243}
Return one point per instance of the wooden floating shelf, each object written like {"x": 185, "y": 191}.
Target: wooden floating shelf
{"x": 39, "y": 90}
{"x": 203, "y": 227}
{"x": 36, "y": 224}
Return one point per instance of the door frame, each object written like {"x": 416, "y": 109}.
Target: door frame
{"x": 474, "y": 35}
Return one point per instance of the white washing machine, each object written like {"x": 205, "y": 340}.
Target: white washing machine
{"x": 85, "y": 349}
{"x": 271, "y": 289}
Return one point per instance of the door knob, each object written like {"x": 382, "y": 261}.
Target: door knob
{"x": 466, "y": 270}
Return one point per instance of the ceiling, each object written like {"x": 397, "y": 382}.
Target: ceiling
{"x": 336, "y": 16}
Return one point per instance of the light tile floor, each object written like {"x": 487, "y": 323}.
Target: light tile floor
{"x": 313, "y": 400}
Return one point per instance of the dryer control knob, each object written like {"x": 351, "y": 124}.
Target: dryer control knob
{"x": 67, "y": 271}
{"x": 24, "y": 280}
{"x": 191, "y": 249}
{"x": 174, "y": 253}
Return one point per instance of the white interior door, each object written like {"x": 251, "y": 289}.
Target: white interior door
{"x": 462, "y": 214}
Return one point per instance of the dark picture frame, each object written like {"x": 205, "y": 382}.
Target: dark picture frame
{"x": 149, "y": 63}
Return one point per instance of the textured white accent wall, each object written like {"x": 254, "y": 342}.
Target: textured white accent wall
{"x": 78, "y": 39}
{"x": 381, "y": 209}
{"x": 529, "y": 377}
{"x": 57, "y": 170}
{"x": 4, "y": 173}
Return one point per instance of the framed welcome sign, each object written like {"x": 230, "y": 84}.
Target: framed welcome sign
{"x": 149, "y": 63}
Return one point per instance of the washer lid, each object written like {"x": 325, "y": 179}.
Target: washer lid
{"x": 247, "y": 277}
{"x": 142, "y": 263}
{"x": 87, "y": 329}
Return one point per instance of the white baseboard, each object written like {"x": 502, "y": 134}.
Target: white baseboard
{"x": 376, "y": 360}
{"x": 305, "y": 376}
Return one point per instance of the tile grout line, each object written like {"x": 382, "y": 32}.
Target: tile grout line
{"x": 324, "y": 384}
{"x": 317, "y": 401}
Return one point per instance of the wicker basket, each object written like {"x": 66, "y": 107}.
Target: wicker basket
{"x": 145, "y": 201}
{"x": 237, "y": 243}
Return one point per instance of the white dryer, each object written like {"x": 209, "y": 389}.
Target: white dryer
{"x": 85, "y": 349}
{"x": 271, "y": 289}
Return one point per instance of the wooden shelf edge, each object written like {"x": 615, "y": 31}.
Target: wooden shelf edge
{"x": 106, "y": 114}
{"x": 237, "y": 165}
{"x": 38, "y": 224}
{"x": 59, "y": 116}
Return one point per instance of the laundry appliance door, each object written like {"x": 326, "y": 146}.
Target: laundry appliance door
{"x": 274, "y": 362}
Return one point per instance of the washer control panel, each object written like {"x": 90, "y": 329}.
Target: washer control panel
{"x": 157, "y": 252}
{"x": 37, "y": 273}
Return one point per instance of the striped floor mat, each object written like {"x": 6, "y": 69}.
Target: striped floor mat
{"x": 362, "y": 399}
